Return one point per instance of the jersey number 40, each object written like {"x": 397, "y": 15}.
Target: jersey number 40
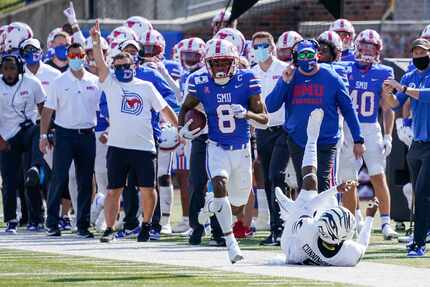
{"x": 366, "y": 105}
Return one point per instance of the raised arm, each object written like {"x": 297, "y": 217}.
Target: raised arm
{"x": 101, "y": 65}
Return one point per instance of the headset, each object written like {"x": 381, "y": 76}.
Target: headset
{"x": 314, "y": 42}
{"x": 18, "y": 61}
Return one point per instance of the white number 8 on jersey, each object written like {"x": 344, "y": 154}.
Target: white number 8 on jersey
{"x": 226, "y": 121}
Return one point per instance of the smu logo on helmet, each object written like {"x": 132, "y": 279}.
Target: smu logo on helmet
{"x": 131, "y": 103}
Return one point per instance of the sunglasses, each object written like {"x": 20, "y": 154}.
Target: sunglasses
{"x": 122, "y": 66}
{"x": 262, "y": 45}
{"x": 306, "y": 55}
{"x": 30, "y": 49}
{"x": 75, "y": 56}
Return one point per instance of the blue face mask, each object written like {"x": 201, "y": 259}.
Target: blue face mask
{"x": 76, "y": 64}
{"x": 307, "y": 65}
{"x": 124, "y": 75}
{"x": 61, "y": 52}
{"x": 32, "y": 58}
{"x": 261, "y": 54}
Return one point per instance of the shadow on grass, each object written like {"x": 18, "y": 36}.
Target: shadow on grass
{"x": 149, "y": 277}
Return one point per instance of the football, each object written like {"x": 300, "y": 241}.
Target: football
{"x": 199, "y": 119}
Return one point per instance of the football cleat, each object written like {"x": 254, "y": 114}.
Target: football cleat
{"x": 166, "y": 229}
{"x": 181, "y": 227}
{"x": 389, "y": 233}
{"x": 234, "y": 253}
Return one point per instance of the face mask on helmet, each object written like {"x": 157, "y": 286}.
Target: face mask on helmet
{"x": 285, "y": 54}
{"x": 221, "y": 69}
{"x": 191, "y": 60}
{"x": 346, "y": 40}
{"x": 367, "y": 53}
{"x": 149, "y": 51}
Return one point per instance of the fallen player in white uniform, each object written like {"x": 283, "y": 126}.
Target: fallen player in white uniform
{"x": 317, "y": 230}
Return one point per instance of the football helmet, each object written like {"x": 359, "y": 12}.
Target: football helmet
{"x": 153, "y": 44}
{"x": 336, "y": 225}
{"x": 234, "y": 36}
{"x": 220, "y": 20}
{"x": 139, "y": 25}
{"x": 285, "y": 44}
{"x": 121, "y": 34}
{"x": 221, "y": 59}
{"x": 16, "y": 33}
{"x": 345, "y": 30}
{"x": 88, "y": 45}
{"x": 333, "y": 41}
{"x": 175, "y": 52}
{"x": 368, "y": 46}
{"x": 426, "y": 33}
{"x": 169, "y": 138}
{"x": 191, "y": 53}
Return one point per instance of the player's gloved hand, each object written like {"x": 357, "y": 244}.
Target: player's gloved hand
{"x": 387, "y": 145}
{"x": 188, "y": 134}
{"x": 372, "y": 207}
{"x": 238, "y": 111}
{"x": 70, "y": 14}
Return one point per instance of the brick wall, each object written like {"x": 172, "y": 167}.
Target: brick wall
{"x": 286, "y": 15}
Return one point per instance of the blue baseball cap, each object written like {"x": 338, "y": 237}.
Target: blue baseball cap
{"x": 306, "y": 45}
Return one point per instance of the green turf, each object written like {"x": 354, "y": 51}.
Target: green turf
{"x": 25, "y": 268}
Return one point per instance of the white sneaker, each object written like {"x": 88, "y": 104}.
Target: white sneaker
{"x": 204, "y": 213}
{"x": 181, "y": 227}
{"x": 389, "y": 232}
{"x": 96, "y": 207}
{"x": 166, "y": 229}
{"x": 186, "y": 233}
{"x": 233, "y": 249}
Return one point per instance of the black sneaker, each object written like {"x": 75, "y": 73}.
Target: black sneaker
{"x": 196, "y": 236}
{"x": 32, "y": 178}
{"x": 53, "y": 232}
{"x": 271, "y": 240}
{"x": 84, "y": 233}
{"x": 144, "y": 232}
{"x": 108, "y": 236}
{"x": 217, "y": 242}
{"x": 11, "y": 227}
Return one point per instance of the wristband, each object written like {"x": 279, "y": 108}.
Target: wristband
{"x": 43, "y": 136}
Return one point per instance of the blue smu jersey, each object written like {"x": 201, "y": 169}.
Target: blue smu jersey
{"x": 174, "y": 68}
{"x": 410, "y": 67}
{"x": 366, "y": 88}
{"x": 183, "y": 82}
{"x": 347, "y": 55}
{"x": 224, "y": 128}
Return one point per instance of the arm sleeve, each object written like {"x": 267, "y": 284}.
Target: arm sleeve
{"x": 364, "y": 236}
{"x": 166, "y": 92}
{"x": 157, "y": 101}
{"x": 345, "y": 104}
{"x": 39, "y": 92}
{"x": 51, "y": 98}
{"x": 277, "y": 96}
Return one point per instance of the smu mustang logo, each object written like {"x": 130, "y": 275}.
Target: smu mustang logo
{"x": 131, "y": 103}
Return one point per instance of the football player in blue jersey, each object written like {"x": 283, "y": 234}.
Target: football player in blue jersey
{"x": 366, "y": 77}
{"x": 347, "y": 33}
{"x": 231, "y": 98}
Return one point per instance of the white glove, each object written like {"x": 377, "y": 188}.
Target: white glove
{"x": 387, "y": 145}
{"x": 185, "y": 132}
{"x": 404, "y": 132}
{"x": 70, "y": 14}
{"x": 239, "y": 112}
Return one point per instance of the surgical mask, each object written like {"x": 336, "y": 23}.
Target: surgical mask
{"x": 307, "y": 65}
{"x": 61, "y": 52}
{"x": 32, "y": 58}
{"x": 76, "y": 64}
{"x": 124, "y": 75}
{"x": 261, "y": 54}
{"x": 421, "y": 63}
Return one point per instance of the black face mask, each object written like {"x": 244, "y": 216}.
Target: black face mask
{"x": 421, "y": 63}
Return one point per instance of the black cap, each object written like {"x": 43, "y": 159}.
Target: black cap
{"x": 422, "y": 43}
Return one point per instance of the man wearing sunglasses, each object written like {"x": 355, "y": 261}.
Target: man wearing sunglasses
{"x": 271, "y": 142}
{"x": 74, "y": 97}
{"x": 304, "y": 86}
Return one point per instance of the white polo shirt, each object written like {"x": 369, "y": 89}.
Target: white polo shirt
{"x": 130, "y": 108}
{"x": 74, "y": 100}
{"x": 46, "y": 75}
{"x": 268, "y": 82}
{"x": 19, "y": 103}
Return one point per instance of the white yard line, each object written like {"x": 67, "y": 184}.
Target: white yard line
{"x": 256, "y": 262}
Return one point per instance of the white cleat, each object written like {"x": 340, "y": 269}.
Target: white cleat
{"x": 204, "y": 213}
{"x": 166, "y": 229}
{"x": 314, "y": 123}
{"x": 181, "y": 227}
{"x": 389, "y": 233}
{"x": 234, "y": 252}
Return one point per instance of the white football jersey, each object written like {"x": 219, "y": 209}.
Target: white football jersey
{"x": 302, "y": 245}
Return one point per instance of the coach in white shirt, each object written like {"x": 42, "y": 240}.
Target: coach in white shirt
{"x": 131, "y": 142}
{"x": 21, "y": 96}
{"x": 271, "y": 142}
{"x": 74, "y": 97}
